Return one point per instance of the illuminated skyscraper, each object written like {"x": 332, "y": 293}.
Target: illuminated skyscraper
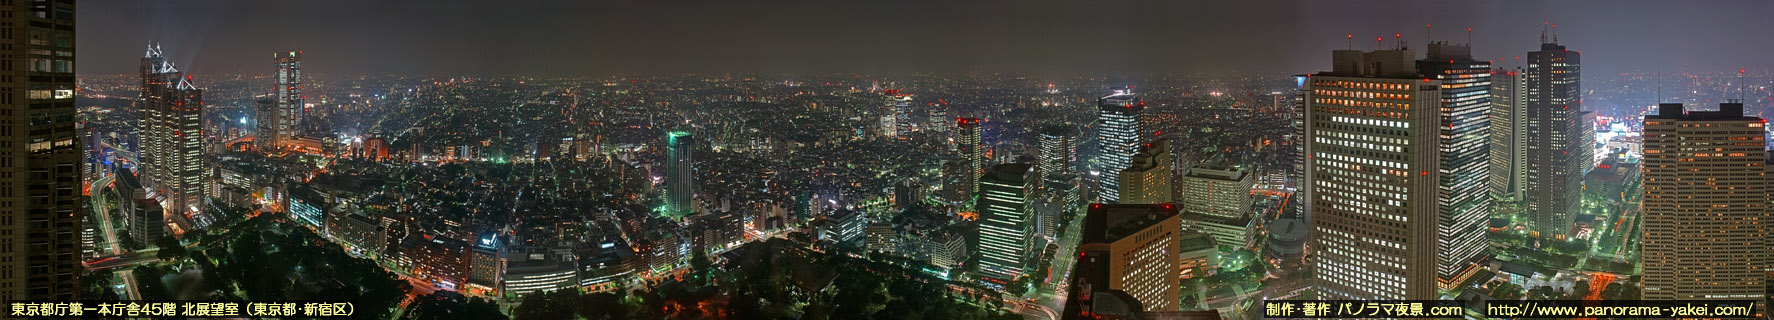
{"x": 157, "y": 76}
{"x": 1508, "y": 152}
{"x": 680, "y": 186}
{"x": 172, "y": 133}
{"x": 289, "y": 112}
{"x": 1118, "y": 138}
{"x": 1373, "y": 126}
{"x": 973, "y": 156}
{"x": 1130, "y": 248}
{"x": 40, "y": 198}
{"x": 1147, "y": 178}
{"x": 1056, "y": 150}
{"x": 1552, "y": 190}
{"x": 902, "y": 115}
{"x": 938, "y": 114}
{"x": 1705, "y": 202}
{"x": 1465, "y": 162}
{"x": 1005, "y": 241}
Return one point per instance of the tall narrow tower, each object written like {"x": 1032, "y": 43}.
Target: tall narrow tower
{"x": 1552, "y": 189}
{"x": 973, "y": 156}
{"x": 172, "y": 134}
{"x": 158, "y": 77}
{"x": 287, "y": 96}
{"x": 1465, "y": 166}
{"x": 1118, "y": 138}
{"x": 680, "y": 184}
{"x": 1508, "y": 151}
{"x": 1705, "y": 200}
{"x": 40, "y": 201}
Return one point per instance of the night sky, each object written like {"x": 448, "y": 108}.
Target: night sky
{"x": 546, "y": 38}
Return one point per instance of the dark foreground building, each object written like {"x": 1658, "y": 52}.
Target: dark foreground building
{"x": 40, "y": 197}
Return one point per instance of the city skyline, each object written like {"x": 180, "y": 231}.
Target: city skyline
{"x": 793, "y": 159}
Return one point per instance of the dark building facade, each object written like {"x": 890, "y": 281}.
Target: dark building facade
{"x": 40, "y": 197}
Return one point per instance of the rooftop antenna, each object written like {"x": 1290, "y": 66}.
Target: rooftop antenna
{"x": 1399, "y": 38}
{"x": 1351, "y": 41}
{"x": 1555, "y": 33}
{"x": 1543, "y": 27}
{"x": 1468, "y": 36}
{"x": 1428, "y": 33}
{"x": 1378, "y": 41}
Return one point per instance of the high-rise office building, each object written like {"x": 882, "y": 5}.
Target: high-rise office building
{"x": 1298, "y": 202}
{"x": 1147, "y": 178}
{"x": 40, "y": 198}
{"x": 1217, "y": 190}
{"x": 1130, "y": 248}
{"x": 1552, "y": 192}
{"x": 172, "y": 133}
{"x": 1509, "y": 90}
{"x": 1373, "y": 125}
{"x": 1005, "y": 238}
{"x": 680, "y": 184}
{"x": 265, "y": 133}
{"x": 902, "y": 115}
{"x": 1056, "y": 149}
{"x": 938, "y": 114}
{"x": 1118, "y": 138}
{"x": 1705, "y": 204}
{"x": 1465, "y": 163}
{"x": 973, "y": 156}
{"x": 290, "y": 110}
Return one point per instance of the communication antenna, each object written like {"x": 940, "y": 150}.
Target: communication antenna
{"x": 1469, "y": 36}
{"x": 1544, "y": 31}
{"x": 1428, "y": 33}
{"x": 1740, "y": 80}
{"x": 1378, "y": 41}
{"x": 1399, "y": 38}
{"x": 1351, "y": 41}
{"x": 1658, "y": 76}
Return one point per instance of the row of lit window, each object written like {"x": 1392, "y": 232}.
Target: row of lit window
{"x": 1361, "y": 94}
{"x": 1358, "y": 103}
{"x": 1361, "y": 85}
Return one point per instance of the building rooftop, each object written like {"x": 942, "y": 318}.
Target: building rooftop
{"x": 1726, "y": 112}
{"x": 1109, "y": 222}
{"x": 1014, "y": 173}
{"x": 1196, "y": 241}
{"x": 1216, "y": 172}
